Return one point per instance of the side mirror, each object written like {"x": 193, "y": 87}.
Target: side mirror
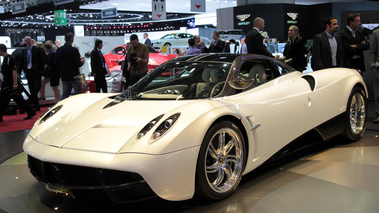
{"x": 240, "y": 82}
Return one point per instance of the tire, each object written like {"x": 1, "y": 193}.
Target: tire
{"x": 221, "y": 161}
{"x": 167, "y": 45}
{"x": 356, "y": 114}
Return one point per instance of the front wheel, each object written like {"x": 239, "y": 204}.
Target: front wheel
{"x": 221, "y": 161}
{"x": 355, "y": 115}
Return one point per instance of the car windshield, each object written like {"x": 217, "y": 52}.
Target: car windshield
{"x": 169, "y": 36}
{"x": 180, "y": 81}
{"x": 152, "y": 50}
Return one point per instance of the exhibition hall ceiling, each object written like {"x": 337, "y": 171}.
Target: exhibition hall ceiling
{"x": 88, "y": 11}
{"x": 172, "y": 6}
{"x": 183, "y": 6}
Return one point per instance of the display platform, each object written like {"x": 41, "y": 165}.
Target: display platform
{"x": 335, "y": 177}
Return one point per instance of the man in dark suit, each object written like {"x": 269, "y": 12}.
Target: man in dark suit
{"x": 217, "y": 45}
{"x": 254, "y": 39}
{"x": 374, "y": 63}
{"x": 98, "y": 67}
{"x": 32, "y": 63}
{"x": 327, "y": 47}
{"x": 354, "y": 43}
{"x": 147, "y": 40}
{"x": 68, "y": 62}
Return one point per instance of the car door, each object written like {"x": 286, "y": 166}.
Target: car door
{"x": 275, "y": 106}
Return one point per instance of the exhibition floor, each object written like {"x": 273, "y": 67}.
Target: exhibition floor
{"x": 332, "y": 177}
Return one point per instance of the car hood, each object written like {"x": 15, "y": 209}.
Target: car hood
{"x": 160, "y": 58}
{"x": 93, "y": 128}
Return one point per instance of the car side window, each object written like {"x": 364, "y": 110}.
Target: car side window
{"x": 259, "y": 71}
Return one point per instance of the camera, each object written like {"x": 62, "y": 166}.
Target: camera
{"x": 133, "y": 59}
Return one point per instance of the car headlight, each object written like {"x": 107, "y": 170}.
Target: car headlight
{"x": 165, "y": 125}
{"x": 148, "y": 127}
{"x": 50, "y": 112}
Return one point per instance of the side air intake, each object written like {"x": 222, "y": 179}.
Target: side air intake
{"x": 311, "y": 81}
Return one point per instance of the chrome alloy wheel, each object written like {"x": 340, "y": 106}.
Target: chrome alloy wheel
{"x": 224, "y": 160}
{"x": 357, "y": 113}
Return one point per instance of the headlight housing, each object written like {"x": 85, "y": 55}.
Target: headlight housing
{"x": 165, "y": 125}
{"x": 49, "y": 113}
{"x": 148, "y": 127}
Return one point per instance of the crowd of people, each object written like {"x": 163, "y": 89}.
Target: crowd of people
{"x": 44, "y": 63}
{"x": 330, "y": 49}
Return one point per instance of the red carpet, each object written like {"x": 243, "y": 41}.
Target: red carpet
{"x": 17, "y": 122}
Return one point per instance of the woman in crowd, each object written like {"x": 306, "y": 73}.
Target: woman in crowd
{"x": 294, "y": 51}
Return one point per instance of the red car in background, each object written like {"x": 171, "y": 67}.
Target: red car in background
{"x": 118, "y": 54}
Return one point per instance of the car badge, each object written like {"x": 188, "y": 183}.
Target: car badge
{"x": 243, "y": 17}
{"x": 293, "y": 15}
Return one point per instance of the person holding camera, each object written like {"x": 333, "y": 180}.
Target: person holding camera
{"x": 138, "y": 57}
{"x": 11, "y": 88}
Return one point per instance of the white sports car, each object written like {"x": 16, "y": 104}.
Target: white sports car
{"x": 196, "y": 130}
{"x": 176, "y": 39}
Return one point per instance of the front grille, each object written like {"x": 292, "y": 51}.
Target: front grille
{"x": 118, "y": 185}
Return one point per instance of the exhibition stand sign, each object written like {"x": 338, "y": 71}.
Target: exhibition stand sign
{"x": 60, "y": 17}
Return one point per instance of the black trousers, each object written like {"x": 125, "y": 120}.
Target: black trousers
{"x": 101, "y": 83}
{"x": 6, "y": 94}
{"x": 357, "y": 64}
{"x": 34, "y": 83}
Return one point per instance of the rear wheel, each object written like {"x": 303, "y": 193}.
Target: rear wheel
{"x": 355, "y": 115}
{"x": 221, "y": 161}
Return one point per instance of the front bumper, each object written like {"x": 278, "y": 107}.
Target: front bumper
{"x": 78, "y": 181}
{"x": 171, "y": 176}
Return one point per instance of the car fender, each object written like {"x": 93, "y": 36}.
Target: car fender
{"x": 188, "y": 132}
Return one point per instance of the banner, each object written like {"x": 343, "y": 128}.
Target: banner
{"x": 198, "y": 6}
{"x": 19, "y": 7}
{"x": 109, "y": 13}
{"x": 159, "y": 9}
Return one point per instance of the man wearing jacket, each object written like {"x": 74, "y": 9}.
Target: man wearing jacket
{"x": 374, "y": 63}
{"x": 327, "y": 47}
{"x": 354, "y": 43}
{"x": 68, "y": 63}
{"x": 98, "y": 67}
{"x": 217, "y": 45}
{"x": 254, "y": 39}
{"x": 32, "y": 63}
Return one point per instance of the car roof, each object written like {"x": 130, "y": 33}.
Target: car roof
{"x": 217, "y": 57}
{"x": 224, "y": 57}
